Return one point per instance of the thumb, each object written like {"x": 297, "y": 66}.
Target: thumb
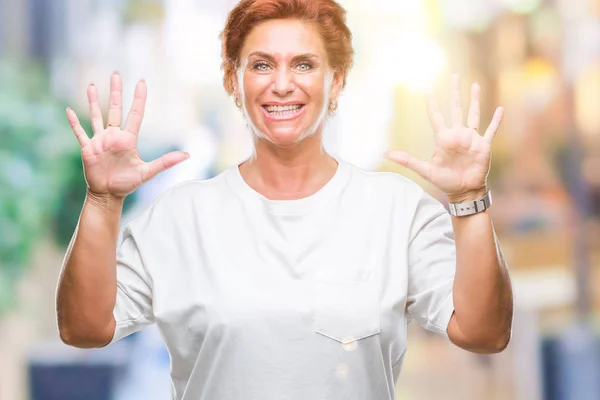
{"x": 413, "y": 163}
{"x": 153, "y": 168}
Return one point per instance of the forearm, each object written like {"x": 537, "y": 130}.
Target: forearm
{"x": 482, "y": 292}
{"x": 87, "y": 284}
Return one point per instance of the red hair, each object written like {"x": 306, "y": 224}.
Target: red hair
{"x": 328, "y": 17}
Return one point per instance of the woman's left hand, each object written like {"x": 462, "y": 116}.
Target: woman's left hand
{"x": 461, "y": 159}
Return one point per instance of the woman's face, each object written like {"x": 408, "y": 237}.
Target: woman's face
{"x": 284, "y": 81}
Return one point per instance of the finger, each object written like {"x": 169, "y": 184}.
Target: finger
{"x": 456, "y": 111}
{"x": 115, "y": 107}
{"x": 435, "y": 115}
{"x": 136, "y": 114}
{"x": 474, "y": 108}
{"x": 95, "y": 112}
{"x": 80, "y": 134}
{"x": 413, "y": 163}
{"x": 490, "y": 133}
{"x": 151, "y": 169}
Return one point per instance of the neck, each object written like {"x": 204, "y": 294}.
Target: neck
{"x": 286, "y": 173}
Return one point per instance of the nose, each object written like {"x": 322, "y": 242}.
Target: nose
{"x": 283, "y": 82}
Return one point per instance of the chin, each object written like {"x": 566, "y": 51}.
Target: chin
{"x": 283, "y": 138}
{"x": 284, "y": 135}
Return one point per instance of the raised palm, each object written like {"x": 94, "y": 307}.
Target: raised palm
{"x": 461, "y": 159}
{"x": 111, "y": 162}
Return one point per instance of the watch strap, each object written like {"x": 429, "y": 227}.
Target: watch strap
{"x": 472, "y": 206}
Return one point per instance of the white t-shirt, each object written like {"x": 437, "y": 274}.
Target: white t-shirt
{"x": 287, "y": 299}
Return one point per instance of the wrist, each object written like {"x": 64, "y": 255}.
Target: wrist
{"x": 469, "y": 195}
{"x": 104, "y": 202}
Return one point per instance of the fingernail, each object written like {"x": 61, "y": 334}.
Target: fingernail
{"x": 116, "y": 73}
{"x": 68, "y": 109}
{"x": 187, "y": 155}
{"x": 143, "y": 80}
{"x": 91, "y": 84}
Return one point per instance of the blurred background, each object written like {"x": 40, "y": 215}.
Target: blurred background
{"x": 540, "y": 59}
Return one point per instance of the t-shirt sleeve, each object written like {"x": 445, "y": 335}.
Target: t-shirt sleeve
{"x": 133, "y": 307}
{"x": 431, "y": 266}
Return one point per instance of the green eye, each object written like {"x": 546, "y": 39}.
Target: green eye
{"x": 260, "y": 66}
{"x": 305, "y": 66}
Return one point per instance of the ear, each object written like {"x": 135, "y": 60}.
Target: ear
{"x": 336, "y": 85}
{"x": 235, "y": 84}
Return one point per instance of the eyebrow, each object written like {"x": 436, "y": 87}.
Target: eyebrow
{"x": 271, "y": 58}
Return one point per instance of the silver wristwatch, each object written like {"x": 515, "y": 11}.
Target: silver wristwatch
{"x": 472, "y": 206}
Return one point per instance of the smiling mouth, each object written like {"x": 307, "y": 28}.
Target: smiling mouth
{"x": 283, "y": 113}
{"x": 283, "y": 110}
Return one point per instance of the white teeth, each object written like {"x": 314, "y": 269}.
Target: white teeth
{"x": 293, "y": 107}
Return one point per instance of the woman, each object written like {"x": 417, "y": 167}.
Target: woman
{"x": 292, "y": 275}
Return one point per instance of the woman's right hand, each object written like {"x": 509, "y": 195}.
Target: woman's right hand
{"x": 111, "y": 162}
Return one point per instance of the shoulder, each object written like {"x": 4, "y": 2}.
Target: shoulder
{"x": 180, "y": 201}
{"x": 196, "y": 188}
{"x": 192, "y": 191}
{"x": 386, "y": 183}
{"x": 401, "y": 191}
